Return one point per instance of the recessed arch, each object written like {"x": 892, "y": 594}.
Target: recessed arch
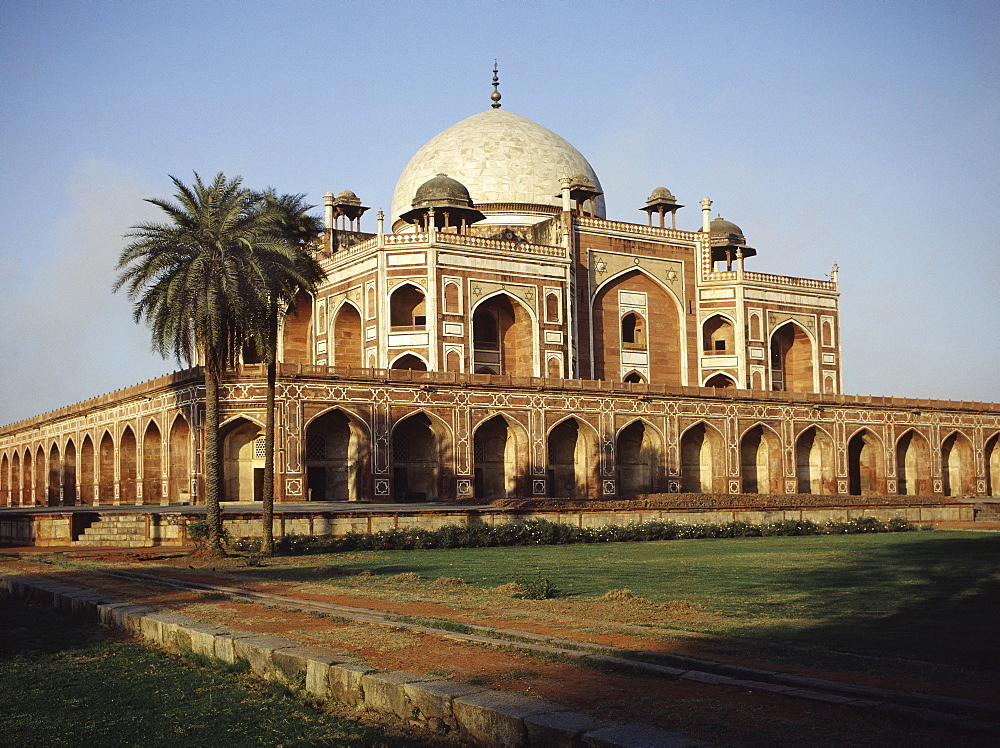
{"x": 408, "y": 305}
{"x": 106, "y": 470}
{"x": 720, "y": 381}
{"x": 296, "y": 327}
{"x": 703, "y": 468}
{"x": 5, "y": 497}
{"x": 865, "y": 464}
{"x": 152, "y": 464}
{"x": 633, "y": 328}
{"x": 15, "y": 479}
{"x": 718, "y": 335}
{"x": 54, "y": 483}
{"x": 69, "y": 473}
{"x": 913, "y": 464}
{"x": 504, "y": 335}
{"x": 88, "y": 471}
{"x": 347, "y": 335}
{"x": 500, "y": 457}
{"x": 639, "y": 451}
{"x": 337, "y": 449}
{"x": 991, "y": 454}
{"x": 179, "y": 461}
{"x": 634, "y": 377}
{"x": 421, "y": 453}
{"x": 957, "y": 467}
{"x": 27, "y": 479}
{"x": 572, "y": 459}
{"x": 760, "y": 460}
{"x": 814, "y": 461}
{"x": 451, "y": 298}
{"x": 128, "y": 466}
{"x": 242, "y": 441}
{"x": 409, "y": 360}
{"x": 791, "y": 356}
{"x": 642, "y": 271}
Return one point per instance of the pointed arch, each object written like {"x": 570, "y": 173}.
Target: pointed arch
{"x": 106, "y": 467}
{"x": 296, "y": 344}
{"x": 5, "y": 495}
{"x": 88, "y": 471}
{"x": 337, "y": 448}
{"x": 41, "y": 475}
{"x": 128, "y": 467}
{"x": 957, "y": 467}
{"x": 991, "y": 453}
{"x": 451, "y": 298}
{"x": 572, "y": 459}
{"x": 504, "y": 335}
{"x": 69, "y": 474}
{"x": 421, "y": 452}
{"x": 500, "y": 457}
{"x": 409, "y": 360}
{"x": 347, "y": 336}
{"x": 179, "y": 461}
{"x": 242, "y": 440}
{"x": 633, "y": 327}
{"x": 720, "y": 381}
{"x": 634, "y": 377}
{"x": 703, "y": 459}
{"x": 718, "y": 335}
{"x": 792, "y": 350}
{"x": 760, "y": 460}
{"x": 865, "y": 464}
{"x": 408, "y": 305}
{"x": 814, "y": 461}
{"x": 152, "y": 464}
{"x": 665, "y": 352}
{"x": 913, "y": 464}
{"x": 639, "y": 451}
{"x": 15, "y": 479}
{"x": 53, "y": 482}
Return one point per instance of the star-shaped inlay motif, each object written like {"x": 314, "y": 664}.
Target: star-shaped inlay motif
{"x": 529, "y": 295}
{"x": 601, "y": 266}
{"x": 671, "y": 275}
{"x": 476, "y": 290}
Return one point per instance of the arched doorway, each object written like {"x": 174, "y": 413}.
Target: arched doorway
{"x": 702, "y": 460}
{"x": 41, "y": 498}
{"x": 418, "y": 446}
{"x": 243, "y": 461}
{"x": 106, "y": 479}
{"x": 407, "y": 307}
{"x": 54, "y": 482}
{"x": 179, "y": 478}
{"x": 15, "y": 480}
{"x": 5, "y": 481}
{"x": 992, "y": 455}
{"x": 499, "y": 459}
{"x": 88, "y": 473}
{"x": 128, "y": 459}
{"x": 335, "y": 458}
{"x": 502, "y": 337}
{"x": 152, "y": 460}
{"x": 640, "y": 458}
{"x": 865, "y": 464}
{"x": 956, "y": 465}
{"x": 791, "y": 359}
{"x": 347, "y": 337}
{"x": 27, "y": 480}
{"x": 718, "y": 337}
{"x": 814, "y": 466}
{"x": 913, "y": 465}
{"x": 572, "y": 461}
{"x": 69, "y": 474}
{"x": 760, "y": 459}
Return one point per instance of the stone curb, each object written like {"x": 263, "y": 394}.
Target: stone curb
{"x": 486, "y": 718}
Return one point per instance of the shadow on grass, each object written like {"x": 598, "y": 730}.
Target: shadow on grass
{"x": 934, "y": 599}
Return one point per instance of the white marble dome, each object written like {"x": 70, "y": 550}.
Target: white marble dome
{"x": 501, "y": 157}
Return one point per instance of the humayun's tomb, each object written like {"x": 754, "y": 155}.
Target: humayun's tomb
{"x": 498, "y": 335}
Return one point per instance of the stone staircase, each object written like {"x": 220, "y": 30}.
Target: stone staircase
{"x": 987, "y": 512}
{"x": 116, "y": 531}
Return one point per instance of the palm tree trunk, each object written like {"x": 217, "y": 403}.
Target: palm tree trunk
{"x": 267, "y": 544}
{"x": 213, "y": 471}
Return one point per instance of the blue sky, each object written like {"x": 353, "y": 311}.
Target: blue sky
{"x": 858, "y": 133}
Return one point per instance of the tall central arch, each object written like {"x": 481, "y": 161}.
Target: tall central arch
{"x": 792, "y": 359}
{"x": 503, "y": 337}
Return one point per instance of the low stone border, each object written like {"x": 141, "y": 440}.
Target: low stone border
{"x": 480, "y": 716}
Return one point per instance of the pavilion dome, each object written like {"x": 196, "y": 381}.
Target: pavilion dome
{"x": 504, "y": 160}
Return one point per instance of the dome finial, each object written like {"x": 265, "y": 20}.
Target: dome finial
{"x": 495, "y": 96}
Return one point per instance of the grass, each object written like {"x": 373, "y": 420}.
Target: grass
{"x": 929, "y": 596}
{"x": 66, "y": 684}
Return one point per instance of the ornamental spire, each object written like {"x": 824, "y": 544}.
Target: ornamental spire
{"x": 495, "y": 96}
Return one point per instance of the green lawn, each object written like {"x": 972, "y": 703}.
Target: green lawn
{"x": 923, "y": 595}
{"x": 66, "y": 684}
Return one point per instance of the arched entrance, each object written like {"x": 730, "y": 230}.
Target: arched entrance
{"x": 702, "y": 460}
{"x": 243, "y": 461}
{"x": 69, "y": 474}
{"x": 407, "y": 307}
{"x": 418, "y": 446}
{"x": 54, "y": 482}
{"x": 5, "y": 481}
{"x": 791, "y": 359}
{"x": 572, "y": 461}
{"x": 499, "y": 459}
{"x": 88, "y": 473}
{"x": 640, "y": 457}
{"x": 347, "y": 337}
{"x": 913, "y": 465}
{"x": 27, "y": 480}
{"x": 152, "y": 461}
{"x": 15, "y": 480}
{"x": 295, "y": 330}
{"x": 336, "y": 447}
{"x": 128, "y": 458}
{"x": 502, "y": 337}
{"x": 992, "y": 455}
{"x": 865, "y": 464}
{"x": 106, "y": 479}
{"x": 718, "y": 337}
{"x": 760, "y": 459}
{"x": 956, "y": 465}
{"x": 814, "y": 466}
{"x": 179, "y": 478}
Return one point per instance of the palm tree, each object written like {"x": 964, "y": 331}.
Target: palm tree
{"x": 202, "y": 281}
{"x": 289, "y": 220}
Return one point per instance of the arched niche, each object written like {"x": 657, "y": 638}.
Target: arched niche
{"x": 54, "y": 482}
{"x": 128, "y": 466}
{"x": 718, "y": 336}
{"x": 179, "y": 470}
{"x": 957, "y": 467}
{"x": 451, "y": 299}
{"x": 407, "y": 306}
{"x": 69, "y": 474}
{"x": 337, "y": 453}
{"x": 420, "y": 451}
{"x": 348, "y": 337}
{"x": 295, "y": 331}
{"x": 410, "y": 361}
{"x": 814, "y": 462}
{"x": 721, "y": 382}
{"x": 243, "y": 460}
{"x": 703, "y": 460}
{"x": 27, "y": 479}
{"x": 633, "y": 326}
{"x": 503, "y": 337}
{"x": 4, "y": 480}
{"x": 15, "y": 479}
{"x": 639, "y": 451}
{"x": 572, "y": 460}
{"x": 500, "y": 458}
{"x": 991, "y": 453}
{"x": 760, "y": 461}
{"x": 152, "y": 465}
{"x": 634, "y": 377}
{"x": 865, "y": 464}
{"x": 88, "y": 471}
{"x": 106, "y": 468}
{"x": 791, "y": 359}
{"x": 551, "y": 307}
{"x": 913, "y": 464}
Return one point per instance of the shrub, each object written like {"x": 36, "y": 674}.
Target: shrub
{"x": 540, "y": 588}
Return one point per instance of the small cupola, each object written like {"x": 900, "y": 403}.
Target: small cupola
{"x": 728, "y": 242}
{"x": 347, "y": 205}
{"x": 661, "y": 202}
{"x": 448, "y": 200}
